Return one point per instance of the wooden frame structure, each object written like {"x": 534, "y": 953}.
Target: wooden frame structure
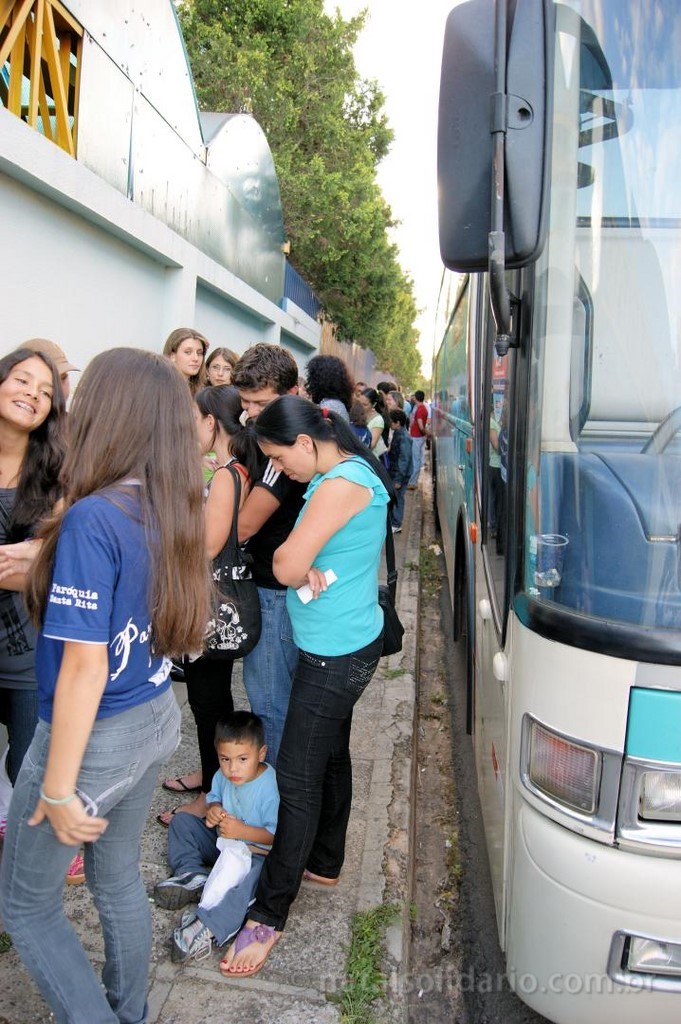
{"x": 40, "y": 59}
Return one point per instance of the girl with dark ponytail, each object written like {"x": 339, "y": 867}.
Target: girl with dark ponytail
{"x": 217, "y": 412}
{"x": 330, "y": 564}
{"x": 281, "y": 423}
{"x": 223, "y": 405}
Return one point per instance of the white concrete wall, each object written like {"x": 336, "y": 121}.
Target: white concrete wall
{"x": 86, "y": 267}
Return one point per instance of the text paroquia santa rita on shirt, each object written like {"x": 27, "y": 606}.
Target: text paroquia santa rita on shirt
{"x": 73, "y": 596}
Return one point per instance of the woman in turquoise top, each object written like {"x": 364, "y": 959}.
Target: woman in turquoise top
{"x": 333, "y": 551}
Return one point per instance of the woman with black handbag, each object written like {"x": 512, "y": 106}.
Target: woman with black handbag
{"x": 209, "y": 680}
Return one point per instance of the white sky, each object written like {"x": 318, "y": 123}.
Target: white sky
{"x": 401, "y": 47}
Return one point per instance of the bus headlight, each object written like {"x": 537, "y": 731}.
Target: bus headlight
{"x": 649, "y": 813}
{"x": 652, "y": 956}
{"x": 660, "y": 798}
{"x": 560, "y": 769}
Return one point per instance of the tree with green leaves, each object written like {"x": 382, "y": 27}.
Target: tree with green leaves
{"x": 291, "y": 65}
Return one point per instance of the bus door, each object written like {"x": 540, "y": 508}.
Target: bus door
{"x": 454, "y": 425}
{"x": 494, "y": 392}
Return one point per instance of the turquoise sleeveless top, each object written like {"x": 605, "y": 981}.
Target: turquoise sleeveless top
{"x": 347, "y": 616}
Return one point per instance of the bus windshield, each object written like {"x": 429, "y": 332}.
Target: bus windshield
{"x": 603, "y": 466}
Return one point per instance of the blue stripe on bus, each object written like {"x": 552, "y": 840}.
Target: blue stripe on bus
{"x": 654, "y": 727}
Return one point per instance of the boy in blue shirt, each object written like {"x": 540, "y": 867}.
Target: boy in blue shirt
{"x": 243, "y": 804}
{"x": 400, "y": 464}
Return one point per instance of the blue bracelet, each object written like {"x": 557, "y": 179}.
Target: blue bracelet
{"x": 56, "y": 803}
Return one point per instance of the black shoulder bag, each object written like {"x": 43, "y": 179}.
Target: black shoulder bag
{"x": 393, "y": 630}
{"x": 234, "y": 627}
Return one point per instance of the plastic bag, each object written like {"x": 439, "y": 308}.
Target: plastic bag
{"x": 230, "y": 868}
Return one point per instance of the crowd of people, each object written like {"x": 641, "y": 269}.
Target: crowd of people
{"x": 110, "y": 517}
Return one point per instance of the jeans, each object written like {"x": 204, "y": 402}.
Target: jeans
{"x": 397, "y": 514}
{"x": 119, "y": 771}
{"x": 191, "y": 847}
{"x": 19, "y": 713}
{"x": 209, "y": 692}
{"x": 314, "y": 775}
{"x": 418, "y": 445}
{"x": 270, "y": 667}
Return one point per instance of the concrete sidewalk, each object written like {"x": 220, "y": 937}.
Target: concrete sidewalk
{"x": 305, "y": 973}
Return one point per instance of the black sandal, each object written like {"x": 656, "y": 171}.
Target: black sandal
{"x": 160, "y": 820}
{"x": 181, "y": 786}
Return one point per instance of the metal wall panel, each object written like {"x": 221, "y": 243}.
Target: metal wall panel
{"x": 167, "y": 177}
{"x": 140, "y": 131}
{"x": 104, "y": 117}
{"x": 142, "y": 37}
{"x": 238, "y": 154}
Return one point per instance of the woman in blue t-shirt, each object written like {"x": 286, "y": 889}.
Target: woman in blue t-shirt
{"x": 332, "y": 555}
{"x": 120, "y": 585}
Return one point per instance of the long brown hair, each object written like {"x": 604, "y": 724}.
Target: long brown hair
{"x": 132, "y": 419}
{"x": 173, "y": 342}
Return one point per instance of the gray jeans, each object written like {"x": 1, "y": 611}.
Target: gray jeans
{"x": 119, "y": 771}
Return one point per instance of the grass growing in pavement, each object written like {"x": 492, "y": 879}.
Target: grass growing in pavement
{"x": 366, "y": 979}
{"x": 431, "y": 571}
{"x": 454, "y": 855}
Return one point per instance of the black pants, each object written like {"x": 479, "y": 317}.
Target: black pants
{"x": 314, "y": 775}
{"x": 209, "y": 691}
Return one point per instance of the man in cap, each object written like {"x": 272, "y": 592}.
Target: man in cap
{"x": 58, "y": 357}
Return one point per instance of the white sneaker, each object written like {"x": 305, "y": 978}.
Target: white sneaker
{"x": 193, "y": 942}
{"x": 397, "y": 529}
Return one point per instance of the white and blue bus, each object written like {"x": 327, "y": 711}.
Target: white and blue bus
{"x": 557, "y": 467}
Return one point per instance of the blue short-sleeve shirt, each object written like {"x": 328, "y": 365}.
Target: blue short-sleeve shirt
{"x": 347, "y": 616}
{"x": 99, "y": 595}
{"x": 256, "y": 803}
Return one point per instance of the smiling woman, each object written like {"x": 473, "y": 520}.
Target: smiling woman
{"x": 26, "y": 395}
{"x": 31, "y": 453}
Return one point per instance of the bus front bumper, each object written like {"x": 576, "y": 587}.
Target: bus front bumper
{"x": 571, "y": 902}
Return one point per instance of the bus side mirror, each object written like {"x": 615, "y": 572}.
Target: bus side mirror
{"x": 471, "y": 112}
